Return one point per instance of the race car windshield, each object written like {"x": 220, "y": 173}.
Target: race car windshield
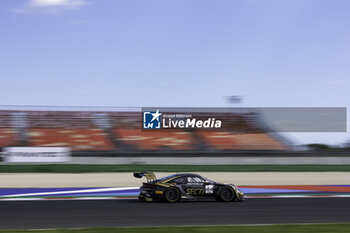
{"x": 209, "y": 180}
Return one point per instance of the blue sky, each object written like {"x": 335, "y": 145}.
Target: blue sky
{"x": 183, "y": 53}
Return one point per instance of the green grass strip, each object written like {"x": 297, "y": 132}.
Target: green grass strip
{"x": 291, "y": 228}
{"x": 85, "y": 168}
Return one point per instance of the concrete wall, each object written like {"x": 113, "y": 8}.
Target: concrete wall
{"x": 212, "y": 160}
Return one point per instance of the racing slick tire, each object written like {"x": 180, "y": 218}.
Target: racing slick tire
{"x": 172, "y": 195}
{"x": 226, "y": 194}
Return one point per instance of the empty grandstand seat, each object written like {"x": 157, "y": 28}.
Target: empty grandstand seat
{"x": 5, "y": 119}
{"x": 49, "y": 119}
{"x": 259, "y": 141}
{"x": 7, "y": 137}
{"x": 220, "y": 140}
{"x": 233, "y": 141}
{"x": 155, "y": 140}
{"x": 77, "y": 139}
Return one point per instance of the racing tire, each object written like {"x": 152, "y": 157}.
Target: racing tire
{"x": 226, "y": 194}
{"x": 172, "y": 195}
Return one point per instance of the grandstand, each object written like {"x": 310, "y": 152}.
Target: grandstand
{"x": 122, "y": 131}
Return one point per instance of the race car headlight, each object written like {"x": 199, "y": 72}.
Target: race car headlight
{"x": 235, "y": 186}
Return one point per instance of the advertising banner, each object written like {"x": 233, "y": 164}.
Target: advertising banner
{"x": 36, "y": 154}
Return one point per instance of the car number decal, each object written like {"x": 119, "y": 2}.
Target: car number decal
{"x": 209, "y": 189}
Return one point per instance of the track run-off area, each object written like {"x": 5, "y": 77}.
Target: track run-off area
{"x": 33, "y": 214}
{"x": 117, "y": 206}
{"x": 38, "y": 208}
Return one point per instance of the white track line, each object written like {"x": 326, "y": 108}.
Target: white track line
{"x": 66, "y": 199}
{"x": 297, "y": 196}
{"x": 69, "y": 192}
{"x": 121, "y": 198}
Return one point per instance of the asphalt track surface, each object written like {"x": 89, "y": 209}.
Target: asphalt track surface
{"x": 89, "y": 213}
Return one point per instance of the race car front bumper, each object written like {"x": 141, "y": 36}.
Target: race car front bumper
{"x": 240, "y": 196}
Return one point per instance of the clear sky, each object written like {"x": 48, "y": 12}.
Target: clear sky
{"x": 175, "y": 53}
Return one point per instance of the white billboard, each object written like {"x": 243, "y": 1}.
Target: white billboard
{"x": 36, "y": 154}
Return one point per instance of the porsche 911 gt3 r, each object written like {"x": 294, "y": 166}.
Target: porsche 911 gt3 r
{"x": 178, "y": 187}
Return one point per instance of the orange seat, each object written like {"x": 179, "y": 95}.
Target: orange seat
{"x": 259, "y": 141}
{"x": 230, "y": 141}
{"x": 154, "y": 140}
{"x": 77, "y": 139}
{"x": 8, "y": 137}
{"x": 220, "y": 140}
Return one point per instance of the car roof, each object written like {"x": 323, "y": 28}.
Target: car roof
{"x": 184, "y": 174}
{"x": 176, "y": 175}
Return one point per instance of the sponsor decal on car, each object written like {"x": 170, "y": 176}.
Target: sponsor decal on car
{"x": 195, "y": 191}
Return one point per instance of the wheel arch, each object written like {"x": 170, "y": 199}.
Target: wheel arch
{"x": 218, "y": 191}
{"x": 175, "y": 188}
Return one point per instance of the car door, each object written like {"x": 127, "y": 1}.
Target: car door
{"x": 195, "y": 186}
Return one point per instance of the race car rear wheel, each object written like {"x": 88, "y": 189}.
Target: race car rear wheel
{"x": 226, "y": 194}
{"x": 172, "y": 195}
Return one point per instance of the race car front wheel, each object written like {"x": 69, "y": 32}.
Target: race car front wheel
{"x": 172, "y": 195}
{"x": 226, "y": 194}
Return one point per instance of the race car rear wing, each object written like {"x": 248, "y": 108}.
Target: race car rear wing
{"x": 149, "y": 175}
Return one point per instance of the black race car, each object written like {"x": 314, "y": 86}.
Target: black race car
{"x": 178, "y": 187}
